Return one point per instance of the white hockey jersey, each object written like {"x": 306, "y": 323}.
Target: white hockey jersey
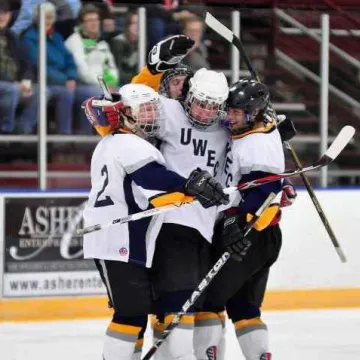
{"x": 254, "y": 154}
{"x": 115, "y": 194}
{"x": 257, "y": 150}
{"x": 185, "y": 148}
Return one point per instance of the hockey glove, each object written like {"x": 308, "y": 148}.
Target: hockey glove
{"x": 288, "y": 195}
{"x": 167, "y": 53}
{"x": 232, "y": 237}
{"x": 286, "y": 128}
{"x": 205, "y": 189}
{"x": 112, "y": 113}
{"x": 102, "y": 113}
{"x": 266, "y": 115}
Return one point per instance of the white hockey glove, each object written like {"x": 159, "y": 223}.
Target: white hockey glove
{"x": 167, "y": 53}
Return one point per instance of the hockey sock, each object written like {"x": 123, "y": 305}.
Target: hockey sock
{"x": 138, "y": 348}
{"x": 158, "y": 327}
{"x": 222, "y": 342}
{"x": 139, "y": 344}
{"x": 120, "y": 341}
{"x": 179, "y": 344}
{"x": 207, "y": 334}
{"x": 253, "y": 338}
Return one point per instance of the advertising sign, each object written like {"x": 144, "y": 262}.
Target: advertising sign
{"x": 42, "y": 254}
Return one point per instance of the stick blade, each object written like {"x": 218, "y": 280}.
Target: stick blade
{"x": 343, "y": 138}
{"x": 217, "y": 26}
{"x": 104, "y": 88}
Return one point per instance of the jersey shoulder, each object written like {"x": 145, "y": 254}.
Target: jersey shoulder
{"x": 171, "y": 105}
{"x": 258, "y": 139}
{"x": 131, "y": 149}
{"x": 259, "y": 152}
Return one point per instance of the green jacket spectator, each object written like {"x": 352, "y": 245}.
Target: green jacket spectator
{"x": 92, "y": 55}
{"x": 125, "y": 49}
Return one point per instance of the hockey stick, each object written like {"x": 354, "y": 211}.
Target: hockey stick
{"x": 226, "y": 33}
{"x": 105, "y": 89}
{"x": 205, "y": 282}
{"x": 342, "y": 139}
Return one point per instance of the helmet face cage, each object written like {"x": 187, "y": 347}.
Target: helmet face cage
{"x": 179, "y": 73}
{"x": 142, "y": 113}
{"x": 147, "y": 118}
{"x": 203, "y": 111}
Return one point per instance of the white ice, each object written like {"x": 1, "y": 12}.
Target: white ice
{"x": 295, "y": 335}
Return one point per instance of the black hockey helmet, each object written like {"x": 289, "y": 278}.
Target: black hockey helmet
{"x": 248, "y": 95}
{"x": 180, "y": 69}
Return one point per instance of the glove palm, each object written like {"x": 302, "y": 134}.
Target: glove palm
{"x": 167, "y": 53}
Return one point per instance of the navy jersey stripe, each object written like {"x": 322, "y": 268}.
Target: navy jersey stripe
{"x": 137, "y": 229}
{"x": 252, "y": 199}
{"x": 154, "y": 176}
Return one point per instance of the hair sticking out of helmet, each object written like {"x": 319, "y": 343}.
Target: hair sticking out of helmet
{"x": 247, "y": 100}
{"x": 205, "y": 101}
{"x": 142, "y": 113}
{"x": 171, "y": 84}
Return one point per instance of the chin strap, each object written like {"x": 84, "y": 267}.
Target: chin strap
{"x": 130, "y": 124}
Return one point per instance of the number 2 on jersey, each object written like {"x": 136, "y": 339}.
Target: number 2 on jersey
{"x": 107, "y": 201}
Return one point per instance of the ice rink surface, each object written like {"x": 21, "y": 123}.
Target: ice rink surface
{"x": 295, "y": 335}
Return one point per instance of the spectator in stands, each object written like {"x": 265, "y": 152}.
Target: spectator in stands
{"x": 125, "y": 49}
{"x": 193, "y": 27}
{"x": 163, "y": 16}
{"x": 67, "y": 11}
{"x": 109, "y": 28}
{"x": 109, "y": 23}
{"x": 61, "y": 75}
{"x": 15, "y": 71}
{"x": 92, "y": 56}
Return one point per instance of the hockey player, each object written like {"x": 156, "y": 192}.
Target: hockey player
{"x": 182, "y": 253}
{"x": 128, "y": 175}
{"x": 240, "y": 286}
{"x": 172, "y": 81}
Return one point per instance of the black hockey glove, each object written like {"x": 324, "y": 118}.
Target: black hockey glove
{"x": 286, "y": 128}
{"x": 205, "y": 189}
{"x": 232, "y": 237}
{"x": 167, "y": 53}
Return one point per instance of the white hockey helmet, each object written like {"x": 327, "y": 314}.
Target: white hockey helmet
{"x": 142, "y": 112}
{"x": 205, "y": 101}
